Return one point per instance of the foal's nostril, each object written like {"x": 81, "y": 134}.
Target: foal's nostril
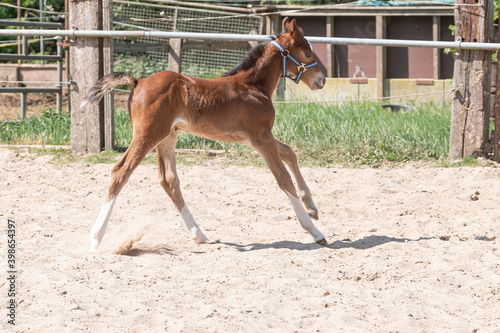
{"x": 320, "y": 82}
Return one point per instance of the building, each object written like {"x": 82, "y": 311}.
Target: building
{"x": 358, "y": 71}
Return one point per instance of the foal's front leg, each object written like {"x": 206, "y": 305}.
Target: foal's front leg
{"x": 288, "y": 156}
{"x": 266, "y": 145}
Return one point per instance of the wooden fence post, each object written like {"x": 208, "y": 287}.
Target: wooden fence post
{"x": 380, "y": 23}
{"x": 495, "y": 140}
{"x": 175, "y": 55}
{"x": 436, "y": 32}
{"x": 86, "y": 67}
{"x": 107, "y": 52}
{"x": 109, "y": 107}
{"x": 470, "y": 114}
{"x": 330, "y": 48}
{"x": 273, "y": 27}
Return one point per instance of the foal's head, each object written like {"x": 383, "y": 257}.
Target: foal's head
{"x": 292, "y": 39}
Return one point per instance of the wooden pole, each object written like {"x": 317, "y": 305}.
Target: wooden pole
{"x": 175, "y": 49}
{"x": 19, "y": 3}
{"x": 436, "y": 31}
{"x": 495, "y": 140}
{"x": 86, "y": 67}
{"x": 273, "y": 27}
{"x": 330, "y": 49}
{"x": 109, "y": 108}
{"x": 273, "y": 24}
{"x": 174, "y": 55}
{"x": 470, "y": 114}
{"x": 380, "y": 33}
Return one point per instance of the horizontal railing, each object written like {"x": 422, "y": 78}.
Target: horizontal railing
{"x": 259, "y": 38}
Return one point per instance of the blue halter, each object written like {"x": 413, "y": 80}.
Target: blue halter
{"x": 301, "y": 67}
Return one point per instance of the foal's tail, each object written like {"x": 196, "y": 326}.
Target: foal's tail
{"x": 109, "y": 81}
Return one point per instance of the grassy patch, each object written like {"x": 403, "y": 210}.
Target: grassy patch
{"x": 58, "y": 156}
{"x": 49, "y": 128}
{"x": 105, "y": 157}
{"x": 364, "y": 133}
{"x": 349, "y": 134}
{"x": 468, "y": 161}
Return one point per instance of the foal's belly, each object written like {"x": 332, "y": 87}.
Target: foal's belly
{"x": 210, "y": 132}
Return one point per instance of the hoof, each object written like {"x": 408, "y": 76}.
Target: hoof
{"x": 203, "y": 240}
{"x": 322, "y": 242}
{"x": 312, "y": 214}
{"x": 94, "y": 246}
{"x": 208, "y": 241}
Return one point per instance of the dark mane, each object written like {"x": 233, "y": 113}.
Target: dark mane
{"x": 249, "y": 60}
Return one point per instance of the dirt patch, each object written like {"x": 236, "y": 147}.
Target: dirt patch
{"x": 38, "y": 102}
{"x": 409, "y": 250}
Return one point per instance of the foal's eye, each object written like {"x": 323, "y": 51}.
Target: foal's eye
{"x": 308, "y": 55}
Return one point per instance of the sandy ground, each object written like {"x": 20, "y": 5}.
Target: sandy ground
{"x": 410, "y": 251}
{"x": 36, "y": 103}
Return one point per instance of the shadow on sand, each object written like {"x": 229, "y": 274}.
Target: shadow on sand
{"x": 149, "y": 249}
{"x": 362, "y": 244}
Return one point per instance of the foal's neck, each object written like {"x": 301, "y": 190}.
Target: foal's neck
{"x": 266, "y": 72}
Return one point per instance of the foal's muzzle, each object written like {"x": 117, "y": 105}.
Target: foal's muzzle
{"x": 319, "y": 83}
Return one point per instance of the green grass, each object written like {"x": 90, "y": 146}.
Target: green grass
{"x": 364, "y": 133}
{"x": 48, "y": 128}
{"x": 59, "y": 156}
{"x": 350, "y": 134}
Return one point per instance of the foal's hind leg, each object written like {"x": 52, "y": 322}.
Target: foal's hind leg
{"x": 169, "y": 180}
{"x": 120, "y": 173}
{"x": 288, "y": 156}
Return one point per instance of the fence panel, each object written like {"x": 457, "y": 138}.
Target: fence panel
{"x": 150, "y": 55}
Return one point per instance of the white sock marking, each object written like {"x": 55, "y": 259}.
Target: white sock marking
{"x": 194, "y": 231}
{"x": 304, "y": 219}
{"x": 99, "y": 227}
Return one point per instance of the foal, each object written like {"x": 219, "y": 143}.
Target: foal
{"x": 236, "y": 107}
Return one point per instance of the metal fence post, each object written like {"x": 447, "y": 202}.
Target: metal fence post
{"x": 107, "y": 55}
{"x": 23, "y": 105}
{"x": 59, "y": 76}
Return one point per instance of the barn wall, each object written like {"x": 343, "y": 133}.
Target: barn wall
{"x": 409, "y": 62}
{"x": 360, "y": 60}
{"x": 347, "y": 89}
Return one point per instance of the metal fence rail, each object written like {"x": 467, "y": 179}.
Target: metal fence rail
{"x": 459, "y": 45}
{"x": 26, "y": 56}
{"x": 7, "y": 23}
{"x": 153, "y": 53}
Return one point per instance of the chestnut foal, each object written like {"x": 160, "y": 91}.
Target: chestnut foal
{"x": 236, "y": 107}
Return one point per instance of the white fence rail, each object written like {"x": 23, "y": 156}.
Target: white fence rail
{"x": 458, "y": 45}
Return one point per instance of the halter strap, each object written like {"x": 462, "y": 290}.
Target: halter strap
{"x": 301, "y": 67}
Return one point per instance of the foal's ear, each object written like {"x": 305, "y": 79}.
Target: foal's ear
{"x": 295, "y": 31}
{"x": 285, "y": 24}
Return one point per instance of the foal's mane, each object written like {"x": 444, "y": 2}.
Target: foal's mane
{"x": 249, "y": 61}
{"x": 253, "y": 55}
